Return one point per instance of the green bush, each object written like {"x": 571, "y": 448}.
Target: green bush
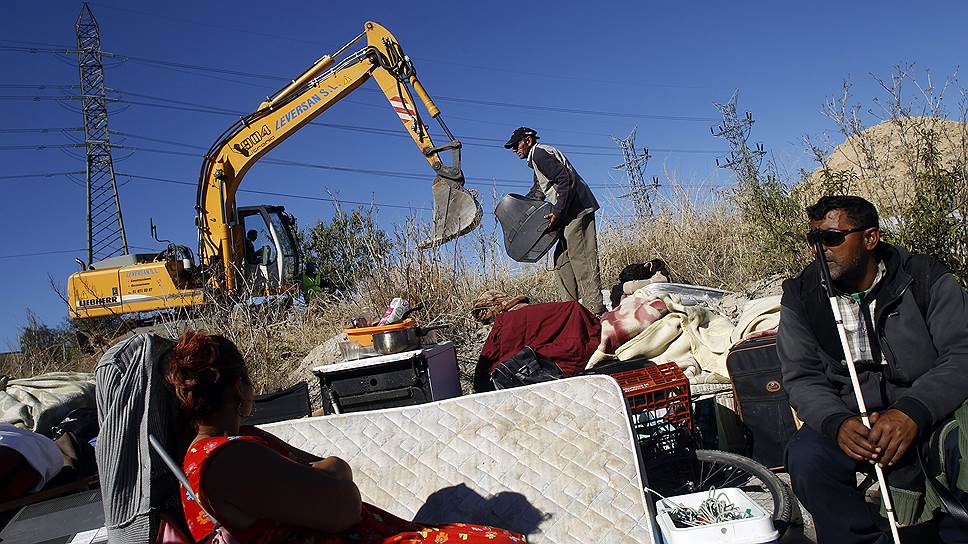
{"x": 347, "y": 248}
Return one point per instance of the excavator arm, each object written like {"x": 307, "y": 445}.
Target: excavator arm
{"x": 326, "y": 82}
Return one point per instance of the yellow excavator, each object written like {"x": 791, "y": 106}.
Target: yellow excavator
{"x": 228, "y": 235}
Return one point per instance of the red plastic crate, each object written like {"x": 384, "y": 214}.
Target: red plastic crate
{"x": 658, "y": 397}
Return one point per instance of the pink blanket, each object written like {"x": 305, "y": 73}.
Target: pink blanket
{"x": 632, "y": 316}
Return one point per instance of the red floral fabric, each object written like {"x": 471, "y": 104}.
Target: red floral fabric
{"x": 377, "y": 526}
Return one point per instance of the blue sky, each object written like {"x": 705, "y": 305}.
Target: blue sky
{"x": 632, "y": 62}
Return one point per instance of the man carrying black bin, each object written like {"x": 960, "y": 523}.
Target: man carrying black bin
{"x": 906, "y": 323}
{"x": 572, "y": 215}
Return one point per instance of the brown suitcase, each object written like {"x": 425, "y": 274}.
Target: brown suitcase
{"x": 761, "y": 401}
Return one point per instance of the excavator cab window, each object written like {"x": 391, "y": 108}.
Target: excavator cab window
{"x": 274, "y": 261}
{"x": 282, "y": 229}
{"x": 265, "y": 252}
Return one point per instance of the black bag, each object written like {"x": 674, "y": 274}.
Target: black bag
{"x": 525, "y": 368}
{"x": 761, "y": 401}
{"x": 282, "y": 405}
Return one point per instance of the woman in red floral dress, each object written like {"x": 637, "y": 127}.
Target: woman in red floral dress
{"x": 261, "y": 489}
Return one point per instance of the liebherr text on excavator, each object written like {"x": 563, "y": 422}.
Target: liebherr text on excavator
{"x": 228, "y": 234}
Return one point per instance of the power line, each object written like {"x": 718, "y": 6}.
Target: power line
{"x": 34, "y": 49}
{"x": 198, "y": 108}
{"x": 46, "y": 175}
{"x": 555, "y": 76}
{"x": 37, "y": 98}
{"x": 285, "y": 162}
{"x": 468, "y": 140}
{"x": 575, "y": 110}
{"x": 471, "y": 141}
{"x": 486, "y": 182}
{"x": 283, "y": 195}
{"x": 209, "y": 25}
{"x": 35, "y": 86}
{"x": 37, "y": 147}
{"x": 39, "y": 253}
{"x": 241, "y": 73}
{"x": 45, "y": 44}
{"x": 38, "y": 130}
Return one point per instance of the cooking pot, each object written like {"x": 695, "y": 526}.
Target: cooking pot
{"x": 390, "y": 342}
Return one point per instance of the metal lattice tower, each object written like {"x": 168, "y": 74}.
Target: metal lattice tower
{"x": 640, "y": 192}
{"x": 742, "y": 160}
{"x": 105, "y": 227}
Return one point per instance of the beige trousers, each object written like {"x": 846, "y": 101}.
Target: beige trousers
{"x": 576, "y": 264}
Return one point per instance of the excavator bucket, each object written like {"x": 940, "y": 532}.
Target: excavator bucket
{"x": 456, "y": 212}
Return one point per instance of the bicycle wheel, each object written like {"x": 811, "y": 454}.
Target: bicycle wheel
{"x": 703, "y": 470}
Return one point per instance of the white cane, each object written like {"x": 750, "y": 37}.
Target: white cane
{"x": 861, "y": 405}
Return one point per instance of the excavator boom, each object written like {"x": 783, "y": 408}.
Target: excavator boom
{"x": 229, "y": 261}
{"x": 326, "y": 82}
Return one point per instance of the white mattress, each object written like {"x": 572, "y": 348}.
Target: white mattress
{"x": 555, "y": 461}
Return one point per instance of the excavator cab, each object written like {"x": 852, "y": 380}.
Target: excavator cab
{"x": 271, "y": 258}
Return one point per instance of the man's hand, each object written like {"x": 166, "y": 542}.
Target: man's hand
{"x": 552, "y": 219}
{"x": 892, "y": 432}
{"x": 854, "y": 438}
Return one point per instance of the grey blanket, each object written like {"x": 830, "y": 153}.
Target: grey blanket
{"x": 41, "y": 402}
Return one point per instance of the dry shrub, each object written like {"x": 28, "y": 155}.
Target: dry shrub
{"x": 273, "y": 334}
{"x": 697, "y": 234}
{"x": 44, "y": 349}
{"x": 908, "y": 155}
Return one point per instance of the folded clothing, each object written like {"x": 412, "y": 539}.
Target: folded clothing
{"x": 41, "y": 452}
{"x": 491, "y": 303}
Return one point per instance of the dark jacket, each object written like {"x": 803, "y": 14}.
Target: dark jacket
{"x": 926, "y": 348}
{"x": 557, "y": 181}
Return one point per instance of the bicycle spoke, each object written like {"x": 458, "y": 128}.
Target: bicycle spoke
{"x": 717, "y": 468}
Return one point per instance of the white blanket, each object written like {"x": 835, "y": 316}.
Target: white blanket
{"x": 695, "y": 337}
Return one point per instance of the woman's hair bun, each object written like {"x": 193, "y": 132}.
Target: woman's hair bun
{"x": 201, "y": 368}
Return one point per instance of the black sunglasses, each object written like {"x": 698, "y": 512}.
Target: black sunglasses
{"x": 831, "y": 238}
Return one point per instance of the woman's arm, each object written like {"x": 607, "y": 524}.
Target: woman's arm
{"x": 294, "y": 453}
{"x": 264, "y": 485}
{"x": 333, "y": 466}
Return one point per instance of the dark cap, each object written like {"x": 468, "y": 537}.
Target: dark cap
{"x": 518, "y": 134}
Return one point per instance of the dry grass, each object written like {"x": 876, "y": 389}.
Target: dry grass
{"x": 698, "y": 234}
{"x": 699, "y": 238}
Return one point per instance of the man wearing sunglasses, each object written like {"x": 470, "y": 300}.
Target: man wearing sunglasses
{"x": 906, "y": 319}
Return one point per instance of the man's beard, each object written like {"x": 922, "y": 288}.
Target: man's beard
{"x": 848, "y": 270}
